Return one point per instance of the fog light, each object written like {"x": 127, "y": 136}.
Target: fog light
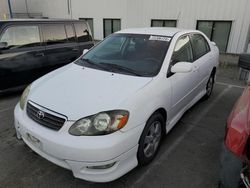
{"x": 102, "y": 166}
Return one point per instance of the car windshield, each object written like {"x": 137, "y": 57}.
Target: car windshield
{"x": 133, "y": 54}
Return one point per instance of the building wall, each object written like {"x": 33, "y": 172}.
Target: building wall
{"x": 18, "y": 6}
{"x": 138, "y": 13}
{"x": 4, "y": 10}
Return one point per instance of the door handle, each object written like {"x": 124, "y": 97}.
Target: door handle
{"x": 39, "y": 54}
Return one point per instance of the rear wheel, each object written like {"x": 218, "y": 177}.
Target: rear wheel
{"x": 150, "y": 139}
{"x": 210, "y": 86}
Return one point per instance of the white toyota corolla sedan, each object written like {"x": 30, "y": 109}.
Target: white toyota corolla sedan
{"x": 107, "y": 112}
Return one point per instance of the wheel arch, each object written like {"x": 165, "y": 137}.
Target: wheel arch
{"x": 163, "y": 112}
{"x": 214, "y": 71}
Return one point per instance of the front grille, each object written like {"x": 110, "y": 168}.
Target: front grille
{"x": 44, "y": 116}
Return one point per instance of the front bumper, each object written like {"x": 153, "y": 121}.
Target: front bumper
{"x": 80, "y": 153}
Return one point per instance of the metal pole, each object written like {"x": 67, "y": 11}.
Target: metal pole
{"x": 11, "y": 15}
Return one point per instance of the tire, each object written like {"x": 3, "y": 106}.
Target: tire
{"x": 150, "y": 139}
{"x": 209, "y": 86}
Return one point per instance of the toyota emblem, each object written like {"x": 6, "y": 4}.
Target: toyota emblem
{"x": 40, "y": 114}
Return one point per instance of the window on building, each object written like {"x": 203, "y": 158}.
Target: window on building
{"x": 217, "y": 31}
{"x": 70, "y": 33}
{"x": 199, "y": 45}
{"x": 54, "y": 34}
{"x": 82, "y": 32}
{"x": 21, "y": 36}
{"x": 110, "y": 26}
{"x": 163, "y": 23}
{"x": 90, "y": 22}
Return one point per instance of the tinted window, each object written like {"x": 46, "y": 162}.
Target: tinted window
{"x": 21, "y": 36}
{"x": 82, "y": 32}
{"x": 114, "y": 46}
{"x": 54, "y": 34}
{"x": 70, "y": 33}
{"x": 182, "y": 51}
{"x": 110, "y": 26}
{"x": 163, "y": 23}
{"x": 91, "y": 24}
{"x": 200, "y": 45}
{"x": 217, "y": 31}
{"x": 129, "y": 54}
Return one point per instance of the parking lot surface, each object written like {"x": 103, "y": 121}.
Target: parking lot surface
{"x": 189, "y": 155}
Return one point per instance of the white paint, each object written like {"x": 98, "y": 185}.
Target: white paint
{"x": 178, "y": 140}
{"x": 4, "y": 9}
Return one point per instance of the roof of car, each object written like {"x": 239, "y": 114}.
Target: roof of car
{"x": 165, "y": 31}
{"x": 37, "y": 20}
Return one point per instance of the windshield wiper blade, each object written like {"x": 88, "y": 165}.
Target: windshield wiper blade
{"x": 119, "y": 67}
{"x": 88, "y": 61}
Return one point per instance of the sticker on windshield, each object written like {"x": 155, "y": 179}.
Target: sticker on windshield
{"x": 167, "y": 39}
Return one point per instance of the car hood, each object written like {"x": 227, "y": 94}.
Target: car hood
{"x": 77, "y": 92}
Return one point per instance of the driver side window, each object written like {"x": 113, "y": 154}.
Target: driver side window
{"x": 182, "y": 51}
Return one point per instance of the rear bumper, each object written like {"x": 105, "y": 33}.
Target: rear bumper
{"x": 80, "y": 153}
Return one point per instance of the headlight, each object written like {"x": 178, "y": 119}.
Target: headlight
{"x": 100, "y": 124}
{"x": 24, "y": 97}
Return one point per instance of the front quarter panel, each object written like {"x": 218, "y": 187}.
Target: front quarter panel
{"x": 146, "y": 101}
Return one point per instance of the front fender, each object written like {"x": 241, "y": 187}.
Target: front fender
{"x": 145, "y": 102}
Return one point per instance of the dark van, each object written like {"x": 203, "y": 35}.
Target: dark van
{"x": 32, "y": 48}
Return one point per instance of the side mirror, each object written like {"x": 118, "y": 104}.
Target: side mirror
{"x": 182, "y": 67}
{"x": 85, "y": 51}
{"x": 3, "y": 44}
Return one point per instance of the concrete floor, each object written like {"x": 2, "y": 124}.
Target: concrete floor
{"x": 188, "y": 157}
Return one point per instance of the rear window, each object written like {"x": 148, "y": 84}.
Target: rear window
{"x": 54, "y": 34}
{"x": 21, "y": 36}
{"x": 82, "y": 32}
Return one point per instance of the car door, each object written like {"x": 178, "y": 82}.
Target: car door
{"x": 84, "y": 37}
{"x": 203, "y": 58}
{"x": 183, "y": 84}
{"x": 59, "y": 49}
{"x": 22, "y": 57}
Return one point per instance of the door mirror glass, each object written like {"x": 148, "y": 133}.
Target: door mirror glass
{"x": 3, "y": 44}
{"x": 182, "y": 67}
{"x": 85, "y": 51}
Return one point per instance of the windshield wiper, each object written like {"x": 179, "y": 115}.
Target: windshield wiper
{"x": 119, "y": 67}
{"x": 88, "y": 61}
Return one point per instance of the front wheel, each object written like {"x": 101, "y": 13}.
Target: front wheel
{"x": 150, "y": 139}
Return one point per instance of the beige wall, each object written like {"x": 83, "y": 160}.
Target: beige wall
{"x": 4, "y": 10}
{"x": 138, "y": 13}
